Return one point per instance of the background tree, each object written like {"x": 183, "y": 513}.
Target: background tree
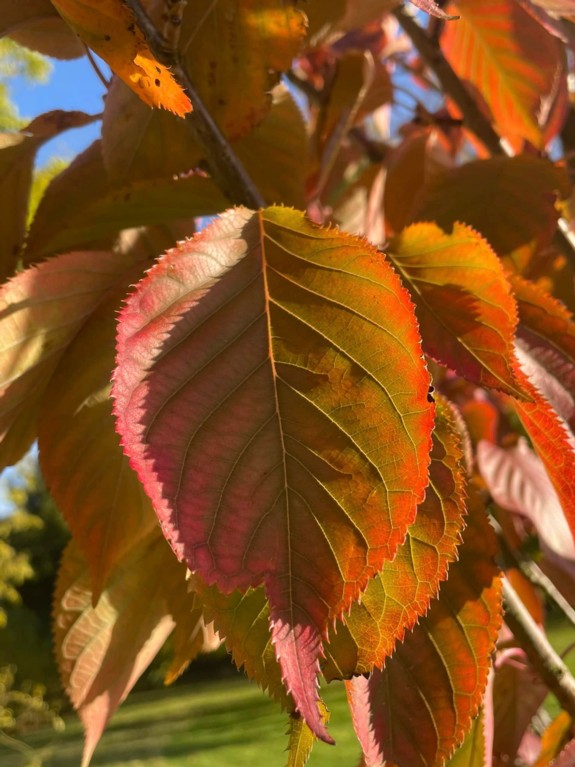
{"x": 320, "y": 418}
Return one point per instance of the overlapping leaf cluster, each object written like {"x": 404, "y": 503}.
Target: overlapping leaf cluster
{"x": 318, "y": 416}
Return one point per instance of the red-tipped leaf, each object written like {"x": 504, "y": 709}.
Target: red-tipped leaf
{"x": 270, "y": 391}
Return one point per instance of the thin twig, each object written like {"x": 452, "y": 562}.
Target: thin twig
{"x": 96, "y": 68}
{"x": 473, "y": 117}
{"x": 532, "y": 572}
{"x": 543, "y": 657}
{"x": 225, "y": 167}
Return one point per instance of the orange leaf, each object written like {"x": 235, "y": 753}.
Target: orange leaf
{"x": 463, "y": 302}
{"x": 513, "y": 63}
{"x": 108, "y": 27}
{"x": 553, "y": 443}
{"x": 294, "y": 353}
{"x": 401, "y": 593}
{"x": 440, "y": 668}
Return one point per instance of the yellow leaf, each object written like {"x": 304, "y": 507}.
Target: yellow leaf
{"x": 109, "y": 28}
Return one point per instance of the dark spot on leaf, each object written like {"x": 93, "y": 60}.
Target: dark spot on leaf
{"x": 157, "y": 83}
{"x": 131, "y": 28}
{"x": 158, "y": 70}
{"x": 107, "y": 38}
{"x": 222, "y": 102}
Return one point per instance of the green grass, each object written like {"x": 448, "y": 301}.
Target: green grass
{"x": 207, "y": 724}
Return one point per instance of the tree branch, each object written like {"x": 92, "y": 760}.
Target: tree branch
{"x": 223, "y": 163}
{"x": 533, "y": 573}
{"x": 473, "y": 117}
{"x": 545, "y": 660}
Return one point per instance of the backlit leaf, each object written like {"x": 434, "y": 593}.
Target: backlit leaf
{"x": 88, "y": 474}
{"x": 472, "y": 752}
{"x": 38, "y": 25}
{"x": 301, "y": 739}
{"x": 235, "y": 53}
{"x": 515, "y": 64}
{"x": 17, "y": 155}
{"x": 554, "y": 445}
{"x": 109, "y": 28}
{"x": 546, "y": 333}
{"x": 463, "y": 302}
{"x": 509, "y": 200}
{"x": 518, "y": 692}
{"x": 139, "y": 142}
{"x": 103, "y": 650}
{"x": 294, "y": 353}
{"x": 440, "y": 668}
{"x": 81, "y": 206}
{"x": 41, "y": 311}
{"x": 553, "y": 739}
{"x": 401, "y": 593}
{"x": 517, "y": 480}
{"x": 242, "y": 620}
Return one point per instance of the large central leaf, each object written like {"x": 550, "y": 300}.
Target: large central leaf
{"x": 272, "y": 397}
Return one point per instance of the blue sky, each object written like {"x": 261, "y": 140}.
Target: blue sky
{"x": 71, "y": 85}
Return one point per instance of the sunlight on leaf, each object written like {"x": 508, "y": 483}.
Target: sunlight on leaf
{"x": 103, "y": 650}
{"x": 463, "y": 302}
{"x": 514, "y": 64}
{"x": 298, "y": 347}
{"x": 110, "y": 30}
{"x": 441, "y": 667}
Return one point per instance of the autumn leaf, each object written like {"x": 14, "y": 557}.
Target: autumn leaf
{"x": 517, "y": 481}
{"x": 17, "y": 155}
{"x": 301, "y": 739}
{"x": 401, "y": 593}
{"x": 546, "y": 345}
{"x": 509, "y": 200}
{"x": 81, "y": 207}
{"x": 553, "y": 443}
{"x": 38, "y": 25}
{"x": 294, "y": 352}
{"x": 463, "y": 302}
{"x": 102, "y": 650}
{"x": 41, "y": 311}
{"x": 236, "y": 53}
{"x": 440, "y": 668}
{"x": 521, "y": 75}
{"x": 429, "y": 6}
{"x": 95, "y": 489}
{"x": 109, "y": 28}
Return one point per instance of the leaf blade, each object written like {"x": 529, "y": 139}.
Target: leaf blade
{"x": 287, "y": 302}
